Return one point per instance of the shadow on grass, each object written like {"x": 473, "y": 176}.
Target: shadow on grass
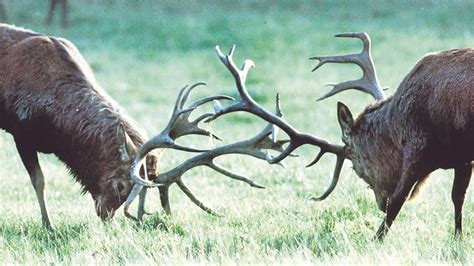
{"x": 32, "y": 237}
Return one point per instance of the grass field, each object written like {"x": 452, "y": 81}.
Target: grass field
{"x": 143, "y": 52}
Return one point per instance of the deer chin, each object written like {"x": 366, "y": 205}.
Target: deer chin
{"x": 105, "y": 207}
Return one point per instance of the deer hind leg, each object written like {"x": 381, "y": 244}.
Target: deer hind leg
{"x": 64, "y": 13}
{"x": 29, "y": 158}
{"x": 462, "y": 176}
{"x": 410, "y": 175}
{"x": 52, "y": 7}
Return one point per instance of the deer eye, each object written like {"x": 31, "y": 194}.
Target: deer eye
{"x": 120, "y": 187}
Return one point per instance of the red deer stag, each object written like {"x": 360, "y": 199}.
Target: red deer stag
{"x": 394, "y": 144}
{"x": 59, "y": 108}
{"x": 428, "y": 124}
{"x": 51, "y": 103}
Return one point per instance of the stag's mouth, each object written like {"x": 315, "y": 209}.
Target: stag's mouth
{"x": 104, "y": 210}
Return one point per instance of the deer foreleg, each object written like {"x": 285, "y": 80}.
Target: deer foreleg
{"x": 29, "y": 158}
{"x": 410, "y": 175}
{"x": 462, "y": 176}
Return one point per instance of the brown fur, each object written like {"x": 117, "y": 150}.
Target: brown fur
{"x": 428, "y": 124}
{"x": 51, "y": 103}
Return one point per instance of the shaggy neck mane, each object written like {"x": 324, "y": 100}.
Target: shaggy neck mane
{"x": 85, "y": 122}
{"x": 87, "y": 135}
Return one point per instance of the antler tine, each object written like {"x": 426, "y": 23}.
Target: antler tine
{"x": 185, "y": 127}
{"x": 232, "y": 175}
{"x": 335, "y": 179}
{"x": 369, "y": 82}
{"x": 186, "y": 92}
{"x": 209, "y": 99}
{"x": 136, "y": 189}
{"x": 195, "y": 200}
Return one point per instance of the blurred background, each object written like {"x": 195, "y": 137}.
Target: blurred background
{"x": 143, "y": 51}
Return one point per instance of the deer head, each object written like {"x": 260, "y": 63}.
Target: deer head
{"x": 113, "y": 191}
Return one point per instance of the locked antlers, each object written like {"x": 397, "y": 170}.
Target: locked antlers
{"x": 180, "y": 125}
{"x": 258, "y": 146}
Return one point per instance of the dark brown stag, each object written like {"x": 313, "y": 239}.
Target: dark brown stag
{"x": 57, "y": 107}
{"x": 428, "y": 124}
{"x": 51, "y": 103}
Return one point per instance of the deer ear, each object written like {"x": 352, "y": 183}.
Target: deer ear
{"x": 127, "y": 148}
{"x": 344, "y": 117}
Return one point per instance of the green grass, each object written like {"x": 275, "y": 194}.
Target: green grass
{"x": 143, "y": 53}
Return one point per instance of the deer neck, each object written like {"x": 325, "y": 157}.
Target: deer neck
{"x": 376, "y": 155}
{"x": 84, "y": 135}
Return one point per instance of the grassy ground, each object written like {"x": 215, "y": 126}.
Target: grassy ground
{"x": 142, "y": 53}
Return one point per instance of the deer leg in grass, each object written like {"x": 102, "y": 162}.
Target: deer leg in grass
{"x": 3, "y": 12}
{"x": 52, "y": 7}
{"x": 164, "y": 198}
{"x": 462, "y": 176}
{"x": 64, "y": 13}
{"x": 410, "y": 175}
{"x": 29, "y": 158}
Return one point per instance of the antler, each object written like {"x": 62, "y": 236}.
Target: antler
{"x": 178, "y": 126}
{"x": 369, "y": 82}
{"x": 256, "y": 146}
